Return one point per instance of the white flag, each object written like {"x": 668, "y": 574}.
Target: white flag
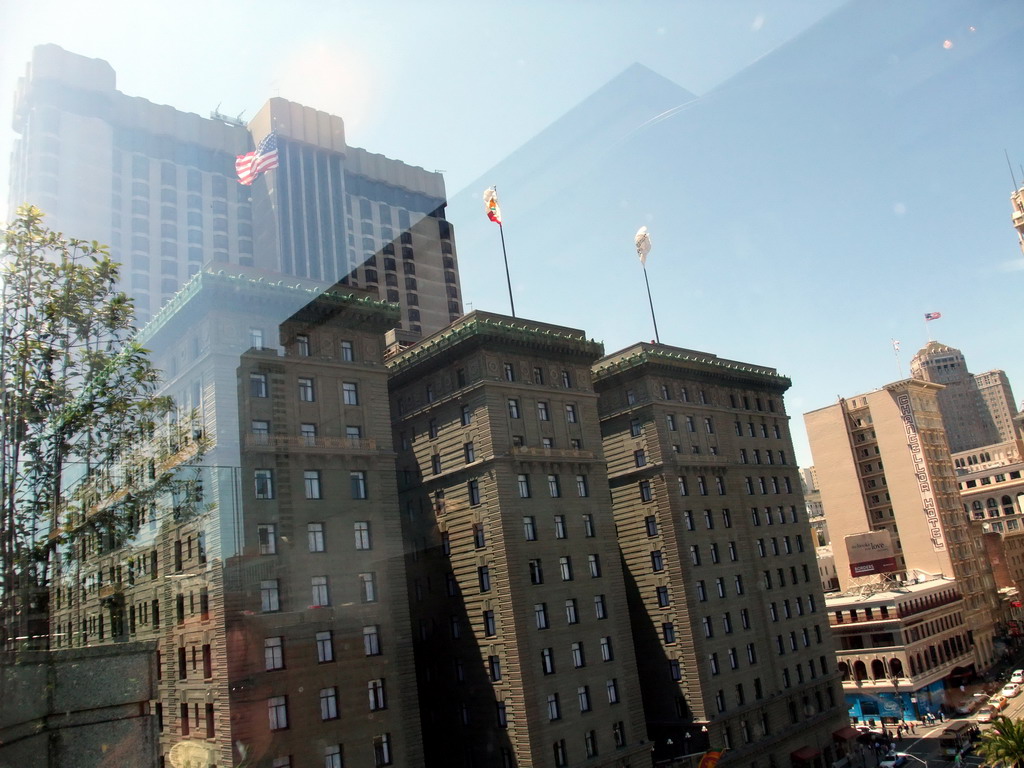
{"x": 643, "y": 244}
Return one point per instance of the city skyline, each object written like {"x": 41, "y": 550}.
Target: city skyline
{"x": 925, "y": 222}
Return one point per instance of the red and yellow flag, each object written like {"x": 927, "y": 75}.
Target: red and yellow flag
{"x": 491, "y": 205}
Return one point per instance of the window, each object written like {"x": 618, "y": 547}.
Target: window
{"x": 324, "y": 647}
{"x": 570, "y": 413}
{"x": 523, "y": 482}
{"x": 469, "y": 452}
{"x": 657, "y": 561}
{"x": 267, "y": 538}
{"x": 264, "y": 483}
{"x": 554, "y": 710}
{"x": 513, "y": 408}
{"x": 560, "y": 529}
{"x": 509, "y": 371}
{"x": 261, "y": 432}
{"x": 435, "y": 464}
{"x": 257, "y": 385}
{"x": 473, "y": 489}
{"x": 467, "y": 416}
{"x": 311, "y": 482}
{"x": 565, "y": 568}
{"x": 542, "y": 411}
{"x": 645, "y": 491}
{"x": 590, "y": 743}
{"x": 702, "y": 592}
{"x": 583, "y": 696}
{"x": 540, "y": 614}
{"x": 662, "y": 595}
{"x": 547, "y": 661}
{"x": 269, "y": 596}
{"x": 350, "y": 393}
{"x": 382, "y": 749}
{"x": 619, "y": 733}
{"x": 273, "y": 653}
{"x": 600, "y": 611}
{"x": 308, "y": 433}
{"x": 302, "y": 345}
{"x": 668, "y": 633}
{"x": 315, "y": 536}
{"x": 368, "y": 587}
{"x": 328, "y": 703}
{"x": 634, "y": 427}
{"x": 709, "y": 425}
{"x": 361, "y": 528}
{"x": 357, "y": 481}
{"x": 670, "y": 421}
{"x": 348, "y": 352}
{"x": 529, "y": 528}
{"x": 571, "y": 614}
{"x": 582, "y": 488}
{"x": 319, "y": 589}
{"x": 277, "y": 709}
{"x": 332, "y": 757}
{"x": 494, "y": 668}
{"x": 479, "y": 537}
{"x": 306, "y": 393}
{"x": 594, "y": 563}
{"x": 640, "y": 458}
{"x": 483, "y": 574}
{"x": 490, "y": 626}
{"x": 578, "y": 658}
{"x": 375, "y": 691}
{"x": 554, "y": 487}
{"x": 566, "y": 379}
{"x": 606, "y": 649}
{"x": 695, "y": 554}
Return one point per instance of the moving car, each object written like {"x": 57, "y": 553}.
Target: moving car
{"x": 998, "y": 702}
{"x": 986, "y": 714}
{"x": 1010, "y": 690}
{"x": 1017, "y": 676}
{"x": 894, "y": 760}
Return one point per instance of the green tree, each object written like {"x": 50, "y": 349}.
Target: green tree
{"x": 77, "y": 399}
{"x": 1002, "y": 745}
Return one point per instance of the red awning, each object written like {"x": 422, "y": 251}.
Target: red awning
{"x": 805, "y": 753}
{"x": 845, "y": 733}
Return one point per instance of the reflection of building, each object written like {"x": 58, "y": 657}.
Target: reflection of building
{"x": 977, "y": 409}
{"x": 159, "y": 186}
{"x": 318, "y": 634}
{"x": 522, "y": 634}
{"x": 883, "y": 465}
{"x": 900, "y": 649}
{"x": 732, "y": 639}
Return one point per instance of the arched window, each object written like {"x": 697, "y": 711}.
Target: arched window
{"x": 860, "y": 671}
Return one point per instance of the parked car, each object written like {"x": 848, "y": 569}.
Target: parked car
{"x": 1017, "y": 676}
{"x": 1010, "y": 690}
{"x": 894, "y": 760}
{"x": 986, "y": 714}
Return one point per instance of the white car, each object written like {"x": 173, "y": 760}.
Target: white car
{"x": 986, "y": 714}
{"x": 1017, "y": 676}
{"x": 894, "y": 760}
{"x": 1010, "y": 690}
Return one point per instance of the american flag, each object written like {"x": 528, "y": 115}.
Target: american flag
{"x": 253, "y": 164}
{"x": 932, "y": 316}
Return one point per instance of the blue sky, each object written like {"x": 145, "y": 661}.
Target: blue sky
{"x": 833, "y": 181}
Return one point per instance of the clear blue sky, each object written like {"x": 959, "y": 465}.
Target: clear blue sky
{"x": 829, "y": 187}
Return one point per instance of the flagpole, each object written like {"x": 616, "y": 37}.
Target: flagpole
{"x": 896, "y": 352}
{"x": 508, "y": 278}
{"x": 657, "y": 338}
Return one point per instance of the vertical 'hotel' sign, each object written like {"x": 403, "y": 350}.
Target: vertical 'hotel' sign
{"x": 924, "y": 485}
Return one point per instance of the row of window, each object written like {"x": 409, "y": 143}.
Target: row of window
{"x": 259, "y": 387}
{"x": 277, "y": 711}
{"x": 554, "y": 484}
{"x": 509, "y": 374}
{"x": 565, "y": 568}
{"x": 543, "y": 411}
{"x": 265, "y": 487}
{"x": 267, "y": 537}
{"x": 590, "y": 743}
{"x": 270, "y": 591}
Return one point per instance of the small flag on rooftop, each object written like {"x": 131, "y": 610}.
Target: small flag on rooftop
{"x": 932, "y": 316}
{"x": 643, "y": 244}
{"x": 491, "y": 205}
{"x": 263, "y": 159}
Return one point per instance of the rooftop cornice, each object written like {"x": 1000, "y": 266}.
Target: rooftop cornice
{"x": 477, "y": 328}
{"x": 686, "y": 360}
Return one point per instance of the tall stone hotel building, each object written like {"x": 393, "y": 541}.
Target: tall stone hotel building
{"x": 729, "y": 623}
{"x": 393, "y": 536}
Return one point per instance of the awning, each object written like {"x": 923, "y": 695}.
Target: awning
{"x": 805, "y": 753}
{"x": 845, "y": 733}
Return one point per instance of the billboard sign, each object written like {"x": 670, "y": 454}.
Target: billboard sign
{"x": 871, "y": 552}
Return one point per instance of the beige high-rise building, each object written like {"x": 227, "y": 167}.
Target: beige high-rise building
{"x": 728, "y": 615}
{"x": 883, "y": 464}
{"x": 977, "y": 409}
{"x": 520, "y": 620}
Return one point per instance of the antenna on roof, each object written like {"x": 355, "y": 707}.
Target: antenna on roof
{"x": 1008, "y": 165}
